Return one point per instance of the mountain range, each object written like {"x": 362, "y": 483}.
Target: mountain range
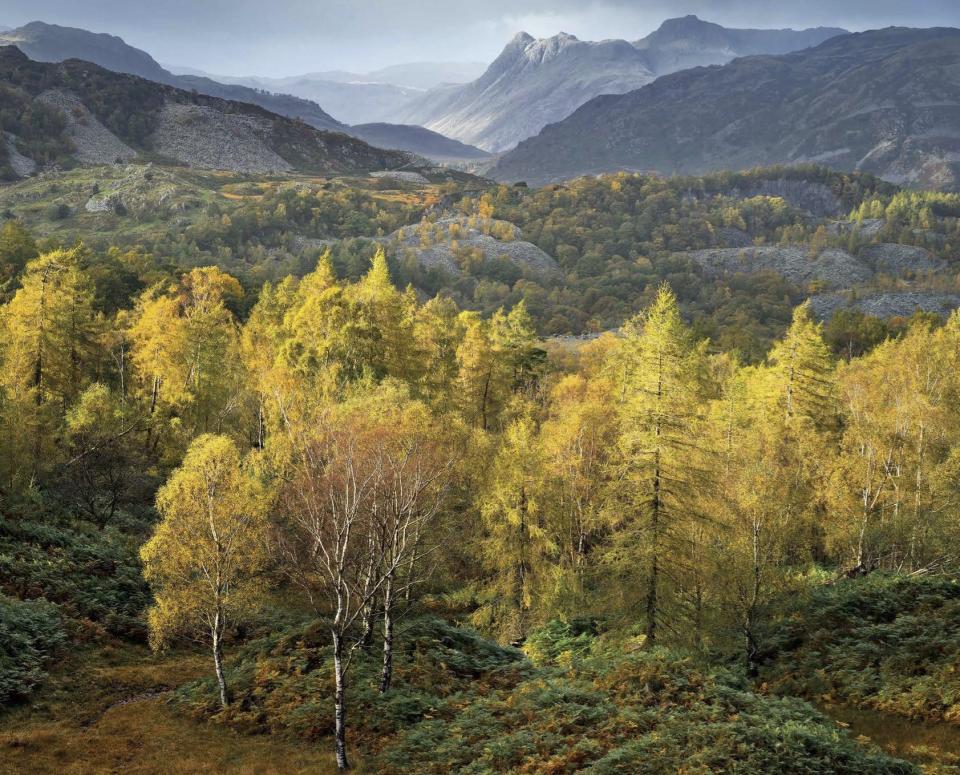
{"x": 52, "y": 43}
{"x": 77, "y": 112}
{"x": 537, "y": 82}
{"x": 359, "y": 98}
{"x": 885, "y": 102}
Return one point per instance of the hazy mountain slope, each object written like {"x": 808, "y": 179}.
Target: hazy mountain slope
{"x": 93, "y": 115}
{"x": 416, "y": 139}
{"x": 691, "y": 42}
{"x": 413, "y": 75}
{"x": 51, "y": 43}
{"x": 357, "y": 98}
{"x": 537, "y": 82}
{"x": 532, "y": 83}
{"x": 350, "y": 102}
{"x": 885, "y": 102}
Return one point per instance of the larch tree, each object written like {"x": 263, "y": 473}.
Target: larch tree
{"x": 660, "y": 372}
{"x": 50, "y": 328}
{"x": 516, "y": 545}
{"x": 206, "y": 554}
{"x": 578, "y": 440}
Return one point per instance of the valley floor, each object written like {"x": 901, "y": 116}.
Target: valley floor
{"x": 107, "y": 714}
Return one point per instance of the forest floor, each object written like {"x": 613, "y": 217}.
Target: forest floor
{"x": 105, "y": 712}
{"x": 931, "y": 744}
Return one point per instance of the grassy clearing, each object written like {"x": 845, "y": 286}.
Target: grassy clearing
{"x": 107, "y": 711}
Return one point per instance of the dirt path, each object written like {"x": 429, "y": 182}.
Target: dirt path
{"x": 106, "y": 712}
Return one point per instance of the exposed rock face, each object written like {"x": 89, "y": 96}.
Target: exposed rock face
{"x": 402, "y": 176}
{"x": 534, "y": 83}
{"x": 885, "y": 102}
{"x": 112, "y": 116}
{"x": 203, "y": 137}
{"x": 435, "y": 249}
{"x": 900, "y": 260}
{"x": 22, "y": 166}
{"x": 137, "y": 188}
{"x": 833, "y": 266}
{"x": 885, "y": 305}
{"x": 94, "y": 143}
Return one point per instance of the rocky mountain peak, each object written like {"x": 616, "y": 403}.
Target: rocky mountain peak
{"x": 521, "y": 39}
{"x": 545, "y": 49}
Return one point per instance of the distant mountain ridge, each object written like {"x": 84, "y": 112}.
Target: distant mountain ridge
{"x": 885, "y": 102}
{"x": 92, "y": 116}
{"x": 44, "y": 42}
{"x": 537, "y": 82}
{"x": 416, "y": 139}
{"x": 689, "y": 41}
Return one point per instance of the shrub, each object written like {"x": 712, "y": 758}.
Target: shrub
{"x": 30, "y": 635}
{"x": 91, "y": 574}
{"x": 885, "y": 642}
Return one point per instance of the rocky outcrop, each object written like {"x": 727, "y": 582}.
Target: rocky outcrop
{"x": 22, "y": 166}
{"x": 401, "y": 176}
{"x": 436, "y": 245}
{"x": 885, "y": 305}
{"x": 833, "y": 266}
{"x": 900, "y": 260}
{"x": 138, "y": 188}
{"x": 93, "y": 143}
{"x": 204, "y": 137}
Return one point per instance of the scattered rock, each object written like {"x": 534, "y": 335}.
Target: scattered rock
{"x": 94, "y": 143}
{"x": 433, "y": 244}
{"x": 204, "y": 137}
{"x": 885, "y": 305}
{"x": 833, "y": 266}
{"x": 22, "y": 166}
{"x": 401, "y": 176}
{"x": 900, "y": 260}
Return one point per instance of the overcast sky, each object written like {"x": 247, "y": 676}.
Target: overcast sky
{"x": 283, "y": 37}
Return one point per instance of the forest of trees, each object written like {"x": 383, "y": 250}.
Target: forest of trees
{"x": 355, "y": 450}
{"x": 616, "y": 239}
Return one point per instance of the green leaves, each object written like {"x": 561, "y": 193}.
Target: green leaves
{"x": 31, "y": 633}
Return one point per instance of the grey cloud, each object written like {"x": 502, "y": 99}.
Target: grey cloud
{"x": 275, "y": 37}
